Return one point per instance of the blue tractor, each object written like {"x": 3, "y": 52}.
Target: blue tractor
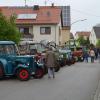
{"x": 14, "y": 64}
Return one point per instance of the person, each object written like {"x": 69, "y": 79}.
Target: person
{"x": 96, "y": 53}
{"x": 92, "y": 55}
{"x": 99, "y": 54}
{"x": 85, "y": 55}
{"x": 50, "y": 62}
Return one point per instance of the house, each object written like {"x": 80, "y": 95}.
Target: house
{"x": 71, "y": 36}
{"x": 39, "y": 22}
{"x": 84, "y": 34}
{"x": 95, "y": 34}
{"x": 66, "y": 24}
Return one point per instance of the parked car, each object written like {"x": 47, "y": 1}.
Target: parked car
{"x": 14, "y": 64}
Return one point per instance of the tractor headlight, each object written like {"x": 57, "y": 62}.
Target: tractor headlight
{"x": 27, "y": 64}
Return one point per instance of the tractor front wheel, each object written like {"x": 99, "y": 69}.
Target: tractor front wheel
{"x": 23, "y": 74}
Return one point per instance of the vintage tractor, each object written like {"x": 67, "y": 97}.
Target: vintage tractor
{"x": 78, "y": 55}
{"x": 66, "y": 57}
{"x": 14, "y": 64}
{"x": 38, "y": 50}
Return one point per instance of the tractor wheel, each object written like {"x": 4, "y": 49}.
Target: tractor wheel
{"x": 1, "y": 71}
{"x": 39, "y": 73}
{"x": 45, "y": 69}
{"x": 57, "y": 68}
{"x": 23, "y": 74}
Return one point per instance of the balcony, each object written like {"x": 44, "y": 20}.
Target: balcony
{"x": 28, "y": 37}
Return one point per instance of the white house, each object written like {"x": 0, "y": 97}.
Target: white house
{"x": 38, "y": 22}
{"x": 95, "y": 34}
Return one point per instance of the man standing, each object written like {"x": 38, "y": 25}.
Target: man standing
{"x": 50, "y": 62}
{"x": 85, "y": 55}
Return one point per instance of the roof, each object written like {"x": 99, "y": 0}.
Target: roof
{"x": 45, "y": 14}
{"x": 83, "y": 33}
{"x": 97, "y": 31}
{"x": 7, "y": 42}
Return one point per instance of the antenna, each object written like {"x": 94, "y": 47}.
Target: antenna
{"x": 45, "y": 2}
{"x": 25, "y": 2}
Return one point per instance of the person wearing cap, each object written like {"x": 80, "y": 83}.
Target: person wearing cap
{"x": 50, "y": 62}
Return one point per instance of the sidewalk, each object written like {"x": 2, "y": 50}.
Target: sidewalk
{"x": 97, "y": 93}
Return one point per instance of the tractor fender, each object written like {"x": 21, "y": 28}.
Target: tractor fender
{"x": 19, "y": 66}
{"x": 4, "y": 63}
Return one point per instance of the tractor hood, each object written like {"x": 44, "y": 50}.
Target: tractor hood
{"x": 24, "y": 59}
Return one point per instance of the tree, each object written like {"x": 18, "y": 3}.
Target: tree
{"x": 8, "y": 29}
{"x": 80, "y": 40}
{"x": 83, "y": 42}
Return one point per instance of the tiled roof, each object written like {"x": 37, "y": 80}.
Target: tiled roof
{"x": 97, "y": 31}
{"x": 45, "y": 14}
{"x": 83, "y": 33}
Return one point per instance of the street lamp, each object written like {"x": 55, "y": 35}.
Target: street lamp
{"x": 72, "y": 42}
{"x": 77, "y": 21}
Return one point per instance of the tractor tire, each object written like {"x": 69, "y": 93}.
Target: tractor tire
{"x": 57, "y": 68}
{"x": 39, "y": 73}
{"x": 1, "y": 71}
{"x": 45, "y": 69}
{"x": 23, "y": 74}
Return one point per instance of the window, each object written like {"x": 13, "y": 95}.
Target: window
{"x": 7, "y": 49}
{"x": 26, "y": 16}
{"x": 45, "y": 30}
{"x": 25, "y": 31}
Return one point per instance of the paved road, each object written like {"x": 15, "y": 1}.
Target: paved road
{"x": 77, "y": 82}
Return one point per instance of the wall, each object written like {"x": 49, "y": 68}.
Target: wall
{"x": 65, "y": 36}
{"x": 54, "y": 36}
{"x": 92, "y": 37}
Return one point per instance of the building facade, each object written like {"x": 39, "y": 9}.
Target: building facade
{"x": 95, "y": 34}
{"x": 40, "y": 23}
{"x": 83, "y": 34}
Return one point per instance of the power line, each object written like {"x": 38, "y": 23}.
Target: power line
{"x": 86, "y": 13}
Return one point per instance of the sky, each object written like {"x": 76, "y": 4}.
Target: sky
{"x": 80, "y": 10}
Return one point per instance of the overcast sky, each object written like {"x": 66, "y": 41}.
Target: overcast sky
{"x": 80, "y": 9}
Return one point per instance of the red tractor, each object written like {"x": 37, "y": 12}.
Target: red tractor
{"x": 78, "y": 55}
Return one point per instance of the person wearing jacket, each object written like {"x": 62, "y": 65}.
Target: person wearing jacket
{"x": 50, "y": 62}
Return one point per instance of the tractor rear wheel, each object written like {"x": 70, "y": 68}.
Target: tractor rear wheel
{"x": 23, "y": 74}
{"x": 57, "y": 68}
{"x": 39, "y": 73}
{"x": 1, "y": 71}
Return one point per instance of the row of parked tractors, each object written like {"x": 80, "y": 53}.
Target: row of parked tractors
{"x": 25, "y": 62}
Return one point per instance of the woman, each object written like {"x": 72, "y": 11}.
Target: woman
{"x": 92, "y": 55}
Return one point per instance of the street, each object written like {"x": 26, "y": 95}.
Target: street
{"x": 76, "y": 82}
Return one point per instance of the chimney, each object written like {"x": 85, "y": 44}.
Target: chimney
{"x": 52, "y": 5}
{"x": 36, "y": 7}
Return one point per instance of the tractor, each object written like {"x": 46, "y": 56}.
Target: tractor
{"x": 14, "y": 64}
